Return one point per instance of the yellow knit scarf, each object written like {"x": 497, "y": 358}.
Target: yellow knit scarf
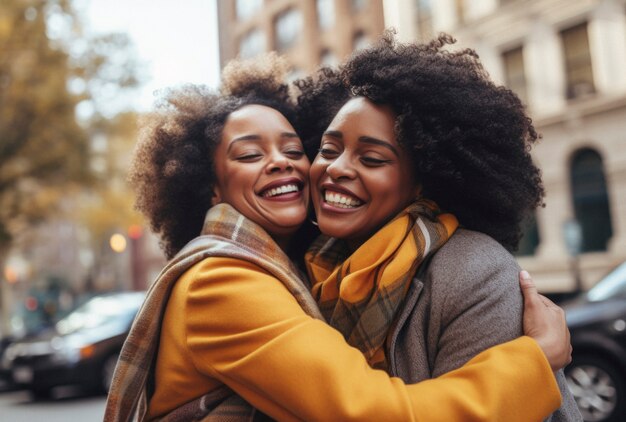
{"x": 361, "y": 294}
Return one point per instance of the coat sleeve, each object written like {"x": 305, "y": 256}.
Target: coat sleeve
{"x": 245, "y": 329}
{"x": 477, "y": 303}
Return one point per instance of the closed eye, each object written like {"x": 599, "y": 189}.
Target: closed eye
{"x": 327, "y": 153}
{"x": 248, "y": 157}
{"x": 295, "y": 153}
{"x": 373, "y": 162}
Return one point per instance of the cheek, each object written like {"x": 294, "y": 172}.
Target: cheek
{"x": 403, "y": 198}
{"x": 315, "y": 172}
{"x": 304, "y": 167}
{"x": 237, "y": 184}
{"x": 394, "y": 193}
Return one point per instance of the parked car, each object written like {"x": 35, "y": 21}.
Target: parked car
{"x": 82, "y": 348}
{"x": 5, "y": 374}
{"x": 597, "y": 374}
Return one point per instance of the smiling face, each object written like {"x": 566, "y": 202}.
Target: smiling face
{"x": 361, "y": 178}
{"x": 262, "y": 170}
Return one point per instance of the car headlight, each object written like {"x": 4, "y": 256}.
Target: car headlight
{"x": 8, "y": 356}
{"x": 71, "y": 349}
{"x": 12, "y": 352}
{"x": 63, "y": 352}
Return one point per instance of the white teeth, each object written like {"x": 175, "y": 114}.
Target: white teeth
{"x": 280, "y": 190}
{"x": 341, "y": 201}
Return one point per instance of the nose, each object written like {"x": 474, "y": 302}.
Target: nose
{"x": 278, "y": 162}
{"x": 341, "y": 168}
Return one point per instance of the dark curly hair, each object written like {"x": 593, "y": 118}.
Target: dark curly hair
{"x": 172, "y": 170}
{"x": 469, "y": 139}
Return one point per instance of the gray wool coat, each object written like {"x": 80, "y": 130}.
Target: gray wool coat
{"x": 464, "y": 300}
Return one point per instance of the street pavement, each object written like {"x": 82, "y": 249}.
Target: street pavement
{"x": 67, "y": 405}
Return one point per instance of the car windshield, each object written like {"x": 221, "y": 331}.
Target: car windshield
{"x": 100, "y": 311}
{"x": 612, "y": 286}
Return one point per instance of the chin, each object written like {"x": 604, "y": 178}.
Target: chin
{"x": 332, "y": 230}
{"x": 288, "y": 224}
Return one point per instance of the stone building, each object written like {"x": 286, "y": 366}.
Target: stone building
{"x": 308, "y": 32}
{"x": 566, "y": 59}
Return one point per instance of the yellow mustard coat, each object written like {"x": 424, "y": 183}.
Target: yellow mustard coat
{"x": 229, "y": 322}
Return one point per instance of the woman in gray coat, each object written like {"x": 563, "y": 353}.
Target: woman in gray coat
{"x": 421, "y": 180}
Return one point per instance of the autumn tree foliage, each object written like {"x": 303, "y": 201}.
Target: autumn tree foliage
{"x": 41, "y": 143}
{"x": 48, "y": 69}
{"x": 57, "y": 83}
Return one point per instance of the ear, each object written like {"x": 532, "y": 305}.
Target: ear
{"x": 217, "y": 196}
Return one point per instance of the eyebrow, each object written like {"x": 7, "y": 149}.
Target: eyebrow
{"x": 258, "y": 138}
{"x": 365, "y": 140}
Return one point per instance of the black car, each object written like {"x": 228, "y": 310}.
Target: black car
{"x": 82, "y": 349}
{"x": 597, "y": 323}
{"x": 5, "y": 374}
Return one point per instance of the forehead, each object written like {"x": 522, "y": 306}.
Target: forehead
{"x": 256, "y": 118}
{"x": 367, "y": 118}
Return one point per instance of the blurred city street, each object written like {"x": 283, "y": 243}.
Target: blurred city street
{"x": 18, "y": 406}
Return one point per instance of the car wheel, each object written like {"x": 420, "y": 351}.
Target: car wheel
{"x": 108, "y": 369}
{"x": 598, "y": 388}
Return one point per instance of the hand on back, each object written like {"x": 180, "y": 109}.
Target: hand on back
{"x": 545, "y": 322}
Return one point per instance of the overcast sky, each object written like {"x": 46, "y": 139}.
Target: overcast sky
{"x": 176, "y": 40}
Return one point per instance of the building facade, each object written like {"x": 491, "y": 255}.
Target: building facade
{"x": 566, "y": 59}
{"x": 308, "y": 32}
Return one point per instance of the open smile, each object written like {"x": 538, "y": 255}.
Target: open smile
{"x": 285, "y": 189}
{"x": 341, "y": 199}
{"x": 281, "y": 190}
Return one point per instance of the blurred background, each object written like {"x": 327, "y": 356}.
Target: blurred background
{"x": 75, "y": 76}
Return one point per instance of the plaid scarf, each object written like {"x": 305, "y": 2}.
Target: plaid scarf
{"x": 226, "y": 233}
{"x": 360, "y": 294}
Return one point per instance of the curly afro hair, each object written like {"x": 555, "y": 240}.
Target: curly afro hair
{"x": 172, "y": 170}
{"x": 469, "y": 139}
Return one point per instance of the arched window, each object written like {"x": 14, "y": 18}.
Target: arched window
{"x": 325, "y": 14}
{"x": 591, "y": 200}
{"x": 288, "y": 27}
{"x": 328, "y": 58}
{"x": 360, "y": 41}
{"x": 530, "y": 236}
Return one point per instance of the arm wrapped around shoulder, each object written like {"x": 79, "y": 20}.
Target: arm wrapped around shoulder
{"x": 535, "y": 395}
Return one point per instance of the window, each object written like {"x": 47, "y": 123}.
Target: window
{"x": 530, "y": 237}
{"x": 358, "y": 5}
{"x": 288, "y": 26}
{"x": 591, "y": 200}
{"x": 295, "y": 74}
{"x": 360, "y": 41}
{"x": 515, "y": 77}
{"x": 325, "y": 13}
{"x": 578, "y": 74}
{"x": 424, "y": 19}
{"x": 252, "y": 44}
{"x": 460, "y": 11}
{"x": 327, "y": 58}
{"x": 247, "y": 8}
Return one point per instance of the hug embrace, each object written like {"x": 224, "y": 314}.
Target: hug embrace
{"x": 401, "y": 302}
